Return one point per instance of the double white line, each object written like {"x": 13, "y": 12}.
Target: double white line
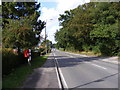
{"x": 58, "y": 71}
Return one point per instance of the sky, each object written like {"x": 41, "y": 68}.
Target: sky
{"x": 50, "y": 11}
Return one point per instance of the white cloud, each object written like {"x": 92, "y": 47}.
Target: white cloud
{"x": 48, "y": 13}
{"x": 67, "y": 4}
{"x": 53, "y": 13}
{"x": 64, "y": 5}
{"x": 0, "y": 2}
{"x": 52, "y": 33}
{"x": 47, "y": 0}
{"x": 52, "y": 25}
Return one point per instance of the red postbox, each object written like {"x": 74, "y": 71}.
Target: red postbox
{"x": 26, "y": 53}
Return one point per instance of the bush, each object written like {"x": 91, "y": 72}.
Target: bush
{"x": 96, "y": 49}
{"x": 86, "y": 48}
{"x": 35, "y": 54}
{"x": 103, "y": 49}
{"x": 10, "y": 60}
{"x": 119, "y": 54}
{"x": 70, "y": 49}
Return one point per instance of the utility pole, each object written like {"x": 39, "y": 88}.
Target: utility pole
{"x": 45, "y": 38}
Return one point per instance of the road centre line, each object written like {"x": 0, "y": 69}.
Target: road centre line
{"x": 105, "y": 60}
{"x": 92, "y": 64}
{"x": 63, "y": 79}
{"x": 70, "y": 56}
{"x": 96, "y": 65}
{"x": 99, "y": 66}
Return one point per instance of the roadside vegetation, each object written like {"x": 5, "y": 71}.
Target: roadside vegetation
{"x": 91, "y": 27}
{"x": 21, "y": 29}
{"x": 16, "y": 78}
{"x": 90, "y": 53}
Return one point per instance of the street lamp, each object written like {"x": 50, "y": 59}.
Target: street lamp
{"x": 46, "y": 36}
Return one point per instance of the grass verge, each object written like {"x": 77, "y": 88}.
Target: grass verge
{"x": 16, "y": 78}
{"x": 90, "y": 53}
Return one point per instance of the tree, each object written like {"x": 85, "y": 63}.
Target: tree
{"x": 21, "y": 24}
{"x": 105, "y": 32}
{"x": 91, "y": 27}
{"x": 47, "y": 44}
{"x": 15, "y": 10}
{"x": 19, "y": 31}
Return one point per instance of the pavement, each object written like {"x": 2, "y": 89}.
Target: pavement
{"x": 43, "y": 77}
{"x": 82, "y": 71}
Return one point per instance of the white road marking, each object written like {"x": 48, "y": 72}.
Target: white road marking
{"x": 87, "y": 62}
{"x": 70, "y": 56}
{"x": 111, "y": 61}
{"x": 62, "y": 77}
{"x": 107, "y": 60}
{"x": 57, "y": 76}
{"x": 99, "y": 66}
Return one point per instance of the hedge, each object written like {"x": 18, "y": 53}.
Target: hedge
{"x": 11, "y": 60}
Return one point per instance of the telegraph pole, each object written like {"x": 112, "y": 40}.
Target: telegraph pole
{"x": 45, "y": 38}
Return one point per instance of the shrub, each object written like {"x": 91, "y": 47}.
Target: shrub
{"x": 10, "y": 60}
{"x": 119, "y": 54}
{"x": 105, "y": 50}
{"x": 86, "y": 47}
{"x": 35, "y": 54}
{"x": 96, "y": 49}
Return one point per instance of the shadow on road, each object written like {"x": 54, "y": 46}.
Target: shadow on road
{"x": 95, "y": 81}
{"x": 66, "y": 61}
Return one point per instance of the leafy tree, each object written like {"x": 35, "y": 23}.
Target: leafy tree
{"x": 21, "y": 24}
{"x": 19, "y": 31}
{"x": 92, "y": 26}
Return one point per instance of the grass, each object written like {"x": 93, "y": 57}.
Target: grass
{"x": 90, "y": 53}
{"x": 47, "y": 54}
{"x": 16, "y": 78}
{"x": 61, "y": 49}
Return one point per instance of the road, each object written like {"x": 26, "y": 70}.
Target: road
{"x": 78, "y": 71}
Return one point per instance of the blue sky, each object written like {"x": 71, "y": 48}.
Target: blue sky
{"x": 50, "y": 9}
{"x": 49, "y": 4}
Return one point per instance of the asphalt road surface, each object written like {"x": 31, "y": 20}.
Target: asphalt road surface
{"x": 78, "y": 71}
